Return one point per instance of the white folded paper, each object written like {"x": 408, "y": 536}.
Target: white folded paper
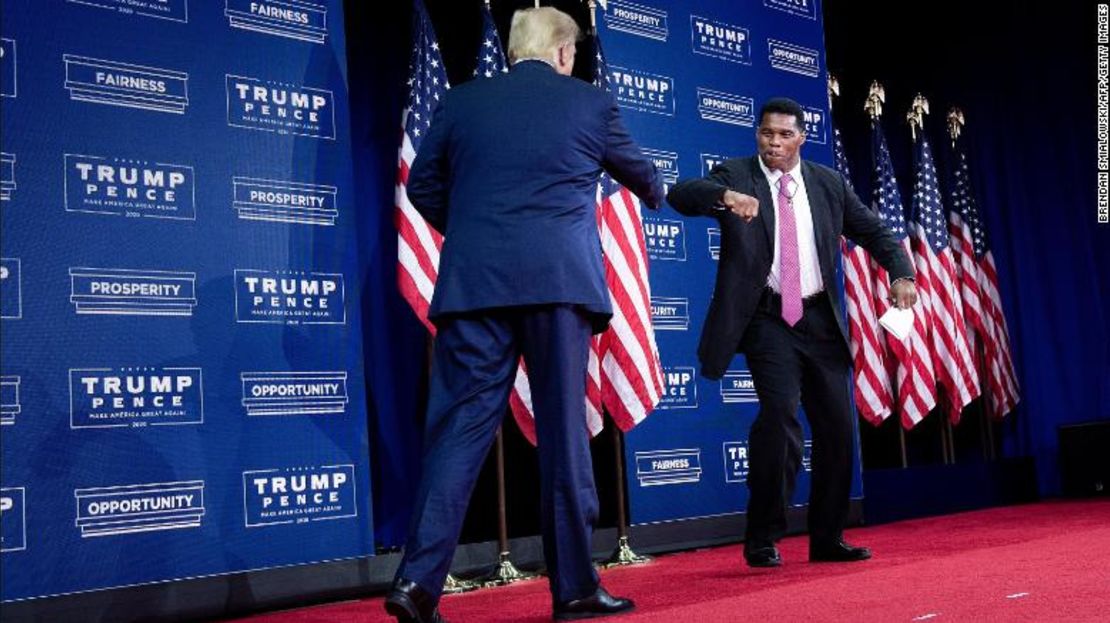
{"x": 898, "y": 322}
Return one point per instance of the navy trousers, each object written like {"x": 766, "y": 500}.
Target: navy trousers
{"x": 473, "y": 367}
{"x": 807, "y": 364}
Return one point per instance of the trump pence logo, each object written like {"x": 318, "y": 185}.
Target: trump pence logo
{"x": 298, "y": 495}
{"x": 13, "y": 519}
{"x": 284, "y": 108}
{"x": 681, "y": 391}
{"x": 643, "y": 91}
{"x": 710, "y": 162}
{"x": 736, "y": 461}
{"x": 816, "y": 126}
{"x": 665, "y": 239}
{"x": 129, "y": 188}
{"x": 289, "y": 297}
{"x": 135, "y": 397}
{"x": 720, "y": 40}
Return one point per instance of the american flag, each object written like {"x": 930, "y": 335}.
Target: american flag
{"x": 870, "y": 381}
{"x": 979, "y": 287}
{"x": 631, "y": 373}
{"x": 915, "y": 383}
{"x": 418, "y": 245}
{"x": 490, "y": 59}
{"x": 938, "y": 288}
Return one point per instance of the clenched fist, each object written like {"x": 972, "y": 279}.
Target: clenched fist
{"x": 744, "y": 206}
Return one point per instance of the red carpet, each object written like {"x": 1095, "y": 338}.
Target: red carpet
{"x": 1041, "y": 562}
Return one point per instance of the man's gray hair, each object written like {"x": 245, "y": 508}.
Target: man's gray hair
{"x": 538, "y": 33}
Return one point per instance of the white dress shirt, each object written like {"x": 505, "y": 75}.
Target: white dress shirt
{"x": 807, "y": 243}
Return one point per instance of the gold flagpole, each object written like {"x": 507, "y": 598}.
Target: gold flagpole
{"x": 623, "y": 553}
{"x": 916, "y": 115}
{"x": 916, "y": 119}
{"x": 876, "y": 97}
{"x": 505, "y": 572}
{"x": 956, "y": 123}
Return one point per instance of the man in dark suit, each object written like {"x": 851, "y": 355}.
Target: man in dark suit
{"x": 777, "y": 301}
{"x": 508, "y": 173}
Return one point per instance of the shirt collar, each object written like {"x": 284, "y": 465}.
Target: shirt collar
{"x": 773, "y": 176}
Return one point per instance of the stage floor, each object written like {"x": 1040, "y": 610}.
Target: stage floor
{"x": 1039, "y": 562}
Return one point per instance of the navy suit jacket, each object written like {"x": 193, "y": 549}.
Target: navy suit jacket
{"x": 508, "y": 173}
{"x": 747, "y": 249}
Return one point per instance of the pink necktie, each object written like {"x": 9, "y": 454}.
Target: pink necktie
{"x": 790, "y": 274}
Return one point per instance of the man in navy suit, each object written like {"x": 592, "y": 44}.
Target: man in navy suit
{"x": 508, "y": 173}
{"x": 777, "y": 300}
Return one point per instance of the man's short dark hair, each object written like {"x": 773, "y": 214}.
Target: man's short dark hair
{"x": 784, "y": 106}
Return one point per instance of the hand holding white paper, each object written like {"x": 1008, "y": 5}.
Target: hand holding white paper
{"x": 898, "y": 322}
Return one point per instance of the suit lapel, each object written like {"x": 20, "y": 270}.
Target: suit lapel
{"x": 767, "y": 205}
{"x": 819, "y": 208}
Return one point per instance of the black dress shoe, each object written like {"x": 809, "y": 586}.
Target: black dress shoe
{"x": 762, "y": 556}
{"x": 600, "y": 604}
{"x": 837, "y": 551}
{"x": 412, "y": 604}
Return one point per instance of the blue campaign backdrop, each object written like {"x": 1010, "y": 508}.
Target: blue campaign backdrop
{"x": 183, "y": 389}
{"x": 690, "y": 81}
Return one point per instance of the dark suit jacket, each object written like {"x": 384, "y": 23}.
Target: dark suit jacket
{"x": 747, "y": 249}
{"x": 508, "y": 173}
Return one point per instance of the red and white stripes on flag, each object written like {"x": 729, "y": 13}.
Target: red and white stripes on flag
{"x": 982, "y": 304}
{"x": 915, "y": 382}
{"x": 870, "y": 380}
{"x": 418, "y": 245}
{"x": 938, "y": 288}
{"x": 631, "y": 373}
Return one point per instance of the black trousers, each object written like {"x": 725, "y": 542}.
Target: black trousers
{"x": 808, "y": 365}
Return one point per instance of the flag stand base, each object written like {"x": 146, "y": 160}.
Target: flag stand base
{"x": 454, "y": 586}
{"x": 623, "y": 555}
{"x": 505, "y": 573}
